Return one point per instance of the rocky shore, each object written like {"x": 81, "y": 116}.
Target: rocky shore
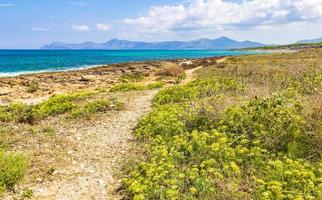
{"x": 33, "y": 88}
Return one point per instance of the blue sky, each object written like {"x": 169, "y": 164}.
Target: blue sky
{"x": 32, "y": 23}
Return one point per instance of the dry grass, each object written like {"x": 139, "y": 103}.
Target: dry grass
{"x": 170, "y": 71}
{"x": 266, "y": 73}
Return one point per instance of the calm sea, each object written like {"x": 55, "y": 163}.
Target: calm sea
{"x": 16, "y": 62}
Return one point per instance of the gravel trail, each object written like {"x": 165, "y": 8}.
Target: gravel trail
{"x": 100, "y": 145}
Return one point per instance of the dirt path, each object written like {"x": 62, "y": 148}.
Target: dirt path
{"x": 222, "y": 60}
{"x": 190, "y": 75}
{"x": 99, "y": 148}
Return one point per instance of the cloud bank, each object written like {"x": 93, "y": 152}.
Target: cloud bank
{"x": 80, "y": 28}
{"x": 40, "y": 29}
{"x": 102, "y": 27}
{"x": 225, "y": 15}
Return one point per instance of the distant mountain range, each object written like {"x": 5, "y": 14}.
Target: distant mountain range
{"x": 311, "y": 40}
{"x": 222, "y": 43}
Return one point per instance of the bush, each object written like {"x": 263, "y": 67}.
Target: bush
{"x": 307, "y": 83}
{"x": 4, "y": 115}
{"x": 156, "y": 85}
{"x": 12, "y": 169}
{"x": 251, "y": 152}
{"x": 277, "y": 123}
{"x": 60, "y": 104}
{"x": 164, "y": 121}
{"x": 135, "y": 77}
{"x": 180, "y": 78}
{"x": 95, "y": 106}
{"x": 55, "y": 105}
{"x": 126, "y": 87}
{"x": 33, "y": 87}
{"x": 169, "y": 120}
{"x": 173, "y": 70}
{"x": 196, "y": 89}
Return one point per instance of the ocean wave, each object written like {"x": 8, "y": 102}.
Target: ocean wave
{"x": 13, "y": 74}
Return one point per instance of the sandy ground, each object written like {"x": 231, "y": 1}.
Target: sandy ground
{"x": 99, "y": 148}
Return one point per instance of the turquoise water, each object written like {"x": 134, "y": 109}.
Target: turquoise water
{"x": 15, "y": 62}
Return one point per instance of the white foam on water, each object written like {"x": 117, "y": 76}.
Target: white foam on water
{"x": 13, "y": 74}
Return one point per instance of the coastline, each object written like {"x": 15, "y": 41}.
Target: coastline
{"x": 22, "y": 73}
{"x": 15, "y": 88}
{"x": 58, "y": 61}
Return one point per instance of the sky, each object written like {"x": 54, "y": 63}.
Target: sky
{"x": 33, "y": 23}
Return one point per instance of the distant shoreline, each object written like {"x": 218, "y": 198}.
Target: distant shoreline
{"x": 275, "y": 50}
{"x": 132, "y": 58}
{"x": 94, "y": 66}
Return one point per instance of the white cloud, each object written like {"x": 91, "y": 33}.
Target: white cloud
{"x": 80, "y": 28}
{"x": 40, "y": 29}
{"x": 6, "y": 4}
{"x": 102, "y": 27}
{"x": 223, "y": 15}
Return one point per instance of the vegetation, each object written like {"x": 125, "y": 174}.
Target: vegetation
{"x": 248, "y": 130}
{"x": 96, "y": 106}
{"x": 12, "y": 170}
{"x": 289, "y": 46}
{"x": 171, "y": 71}
{"x": 57, "y": 105}
{"x": 25, "y": 119}
{"x": 125, "y": 87}
{"x": 195, "y": 90}
{"x": 135, "y": 77}
{"x": 33, "y": 87}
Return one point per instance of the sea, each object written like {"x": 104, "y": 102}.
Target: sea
{"x": 17, "y": 62}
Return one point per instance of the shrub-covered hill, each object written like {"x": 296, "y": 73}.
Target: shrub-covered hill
{"x": 246, "y": 129}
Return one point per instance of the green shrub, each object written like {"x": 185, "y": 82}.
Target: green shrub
{"x": 169, "y": 120}
{"x": 285, "y": 178}
{"x": 12, "y": 169}
{"x": 4, "y": 115}
{"x": 196, "y": 89}
{"x": 55, "y": 105}
{"x": 180, "y": 78}
{"x": 251, "y": 152}
{"x": 277, "y": 123}
{"x": 164, "y": 121}
{"x": 23, "y": 113}
{"x": 135, "y": 77}
{"x": 95, "y": 106}
{"x": 175, "y": 94}
{"x": 27, "y": 193}
{"x": 156, "y": 85}
{"x": 60, "y": 104}
{"x": 125, "y": 87}
{"x": 33, "y": 87}
{"x": 308, "y": 83}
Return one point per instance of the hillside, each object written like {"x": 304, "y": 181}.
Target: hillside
{"x": 295, "y": 46}
{"x": 317, "y": 40}
{"x": 201, "y": 44}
